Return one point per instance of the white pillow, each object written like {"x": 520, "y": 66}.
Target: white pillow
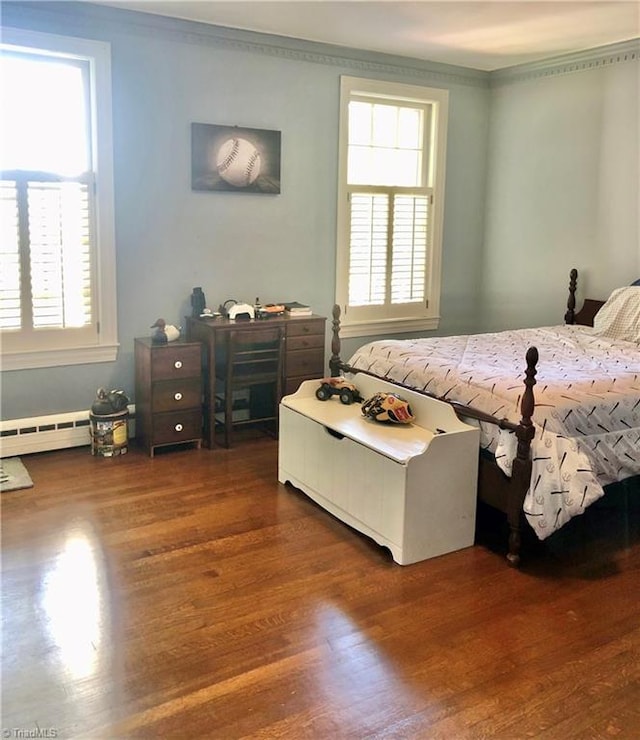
{"x": 619, "y": 318}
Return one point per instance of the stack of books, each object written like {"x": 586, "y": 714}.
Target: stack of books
{"x": 294, "y": 308}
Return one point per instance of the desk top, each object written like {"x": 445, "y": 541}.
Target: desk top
{"x": 222, "y": 322}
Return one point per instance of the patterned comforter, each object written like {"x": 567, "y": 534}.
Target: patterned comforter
{"x": 587, "y": 413}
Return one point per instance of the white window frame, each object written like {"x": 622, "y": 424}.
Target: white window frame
{"x": 104, "y": 349}
{"x": 356, "y": 322}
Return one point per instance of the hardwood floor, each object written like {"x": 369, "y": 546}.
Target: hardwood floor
{"x": 192, "y": 596}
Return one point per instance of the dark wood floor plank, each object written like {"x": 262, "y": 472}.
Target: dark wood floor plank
{"x": 191, "y": 595}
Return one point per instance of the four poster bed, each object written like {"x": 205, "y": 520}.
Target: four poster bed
{"x": 544, "y": 457}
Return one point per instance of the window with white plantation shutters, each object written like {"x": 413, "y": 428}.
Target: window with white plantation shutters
{"x": 392, "y": 145}
{"x": 57, "y": 277}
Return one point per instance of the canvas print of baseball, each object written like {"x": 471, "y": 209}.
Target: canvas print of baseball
{"x": 234, "y": 159}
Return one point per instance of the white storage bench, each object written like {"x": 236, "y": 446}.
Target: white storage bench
{"x": 411, "y": 488}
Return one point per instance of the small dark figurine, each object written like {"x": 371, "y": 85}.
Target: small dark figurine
{"x": 159, "y": 336}
{"x": 164, "y": 332}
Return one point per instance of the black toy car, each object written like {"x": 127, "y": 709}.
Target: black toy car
{"x": 346, "y": 391}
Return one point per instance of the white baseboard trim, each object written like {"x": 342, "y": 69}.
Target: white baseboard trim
{"x": 51, "y": 432}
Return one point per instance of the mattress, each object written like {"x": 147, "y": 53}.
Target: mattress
{"x": 587, "y": 412}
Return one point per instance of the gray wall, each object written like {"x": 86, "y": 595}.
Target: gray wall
{"x": 168, "y": 74}
{"x": 563, "y": 188}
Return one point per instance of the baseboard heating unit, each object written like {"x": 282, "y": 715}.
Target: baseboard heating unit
{"x": 44, "y": 433}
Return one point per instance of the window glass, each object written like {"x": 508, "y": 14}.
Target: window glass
{"x": 385, "y": 145}
{"x": 45, "y": 115}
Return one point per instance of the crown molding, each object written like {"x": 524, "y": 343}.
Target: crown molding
{"x": 95, "y": 20}
{"x": 103, "y": 22}
{"x": 335, "y": 56}
{"x": 583, "y": 61}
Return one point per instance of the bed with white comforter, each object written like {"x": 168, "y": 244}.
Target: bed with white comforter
{"x": 587, "y": 404}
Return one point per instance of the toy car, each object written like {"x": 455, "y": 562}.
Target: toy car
{"x": 347, "y": 392}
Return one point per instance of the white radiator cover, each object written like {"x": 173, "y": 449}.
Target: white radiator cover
{"x": 52, "y": 432}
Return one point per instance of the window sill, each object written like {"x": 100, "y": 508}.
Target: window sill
{"x": 388, "y": 326}
{"x": 58, "y": 357}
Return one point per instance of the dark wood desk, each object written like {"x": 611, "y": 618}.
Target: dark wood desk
{"x": 304, "y": 356}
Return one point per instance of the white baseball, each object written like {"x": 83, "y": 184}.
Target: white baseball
{"x": 238, "y": 162}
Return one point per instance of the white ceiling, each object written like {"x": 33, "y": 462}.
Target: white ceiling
{"x": 477, "y": 34}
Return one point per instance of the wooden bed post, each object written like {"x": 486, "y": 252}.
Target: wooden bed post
{"x": 570, "y": 316}
{"x": 335, "y": 362}
{"x": 521, "y": 471}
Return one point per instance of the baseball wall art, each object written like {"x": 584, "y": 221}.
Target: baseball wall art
{"x": 233, "y": 159}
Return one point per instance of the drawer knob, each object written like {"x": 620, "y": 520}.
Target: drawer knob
{"x": 178, "y": 396}
{"x": 178, "y": 427}
{"x": 177, "y": 364}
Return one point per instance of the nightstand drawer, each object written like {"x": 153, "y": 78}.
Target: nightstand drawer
{"x": 177, "y": 426}
{"x": 175, "y": 395}
{"x": 175, "y": 361}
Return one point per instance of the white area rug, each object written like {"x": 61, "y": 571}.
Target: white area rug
{"x": 13, "y": 475}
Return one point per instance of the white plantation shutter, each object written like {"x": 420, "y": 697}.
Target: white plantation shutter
{"x": 410, "y": 241}
{"x": 47, "y": 276}
{"x": 388, "y": 248}
{"x": 368, "y": 249}
{"x": 10, "y": 275}
{"x": 60, "y": 254}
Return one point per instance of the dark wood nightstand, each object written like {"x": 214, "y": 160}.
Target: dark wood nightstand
{"x": 168, "y": 393}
